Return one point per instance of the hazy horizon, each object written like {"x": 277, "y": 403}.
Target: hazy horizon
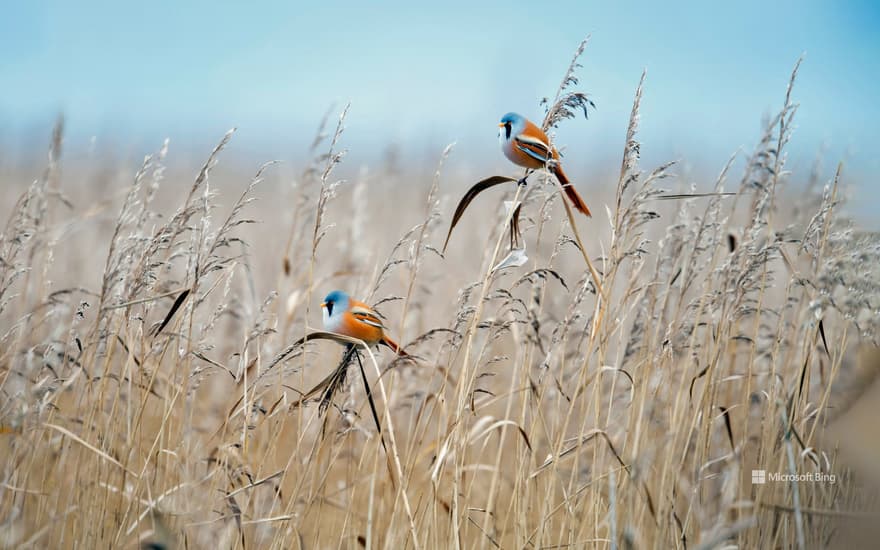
{"x": 419, "y": 78}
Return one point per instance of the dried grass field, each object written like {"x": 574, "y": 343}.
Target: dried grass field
{"x": 154, "y": 390}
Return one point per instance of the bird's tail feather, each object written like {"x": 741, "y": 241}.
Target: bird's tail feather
{"x": 571, "y": 192}
{"x": 395, "y": 347}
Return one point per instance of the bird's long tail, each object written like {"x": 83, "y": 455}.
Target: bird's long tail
{"x": 571, "y": 192}
{"x": 395, "y": 347}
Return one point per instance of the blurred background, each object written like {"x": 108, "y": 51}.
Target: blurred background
{"x": 128, "y": 75}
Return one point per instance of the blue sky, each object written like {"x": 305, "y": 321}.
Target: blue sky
{"x": 422, "y": 75}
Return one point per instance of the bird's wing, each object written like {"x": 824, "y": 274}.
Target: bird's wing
{"x": 533, "y": 147}
{"x": 366, "y": 315}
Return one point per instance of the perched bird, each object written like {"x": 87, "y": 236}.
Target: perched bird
{"x": 343, "y": 314}
{"x": 527, "y": 145}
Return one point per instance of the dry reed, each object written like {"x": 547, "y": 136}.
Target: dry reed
{"x": 551, "y": 406}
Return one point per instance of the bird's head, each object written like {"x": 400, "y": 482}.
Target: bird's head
{"x": 336, "y": 301}
{"x": 510, "y": 125}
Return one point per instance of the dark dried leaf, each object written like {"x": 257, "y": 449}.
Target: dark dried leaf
{"x": 677, "y": 196}
{"x": 174, "y": 307}
{"x": 514, "y": 228}
{"x": 824, "y": 341}
{"x": 726, "y": 414}
{"x": 471, "y": 194}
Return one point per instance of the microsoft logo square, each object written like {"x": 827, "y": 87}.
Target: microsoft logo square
{"x": 759, "y": 477}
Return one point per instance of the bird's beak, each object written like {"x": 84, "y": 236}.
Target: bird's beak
{"x": 501, "y": 125}
{"x": 323, "y": 305}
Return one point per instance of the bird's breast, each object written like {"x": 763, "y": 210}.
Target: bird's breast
{"x": 331, "y": 322}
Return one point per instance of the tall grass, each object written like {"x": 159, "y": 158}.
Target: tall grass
{"x": 151, "y": 395}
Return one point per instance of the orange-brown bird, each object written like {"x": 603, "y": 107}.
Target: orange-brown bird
{"x": 527, "y": 145}
{"x": 343, "y": 314}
